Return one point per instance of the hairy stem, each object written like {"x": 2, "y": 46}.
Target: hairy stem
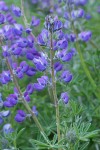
{"x": 25, "y": 103}
{"x": 54, "y": 87}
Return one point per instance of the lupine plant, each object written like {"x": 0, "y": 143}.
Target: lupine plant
{"x": 39, "y": 80}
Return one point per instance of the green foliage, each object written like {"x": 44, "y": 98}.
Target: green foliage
{"x": 80, "y": 119}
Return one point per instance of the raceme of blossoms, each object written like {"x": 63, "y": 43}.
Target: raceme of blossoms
{"x": 23, "y": 44}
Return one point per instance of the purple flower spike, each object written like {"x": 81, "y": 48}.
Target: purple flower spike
{"x": 65, "y": 97}
{"x": 16, "y": 10}
{"x": 85, "y": 36}
{"x": 35, "y": 22}
{"x": 66, "y": 76}
{"x": 20, "y": 116}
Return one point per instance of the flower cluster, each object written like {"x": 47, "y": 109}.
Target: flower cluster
{"x": 73, "y": 13}
{"x": 23, "y": 44}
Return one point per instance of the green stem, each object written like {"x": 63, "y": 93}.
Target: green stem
{"x": 15, "y": 146}
{"x": 54, "y": 88}
{"x": 26, "y": 104}
{"x": 87, "y": 72}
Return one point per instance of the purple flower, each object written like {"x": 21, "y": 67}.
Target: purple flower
{"x": 30, "y": 41}
{"x": 66, "y": 76}
{"x": 64, "y": 55}
{"x": 43, "y": 37}
{"x": 34, "y": 1}
{"x": 31, "y": 71}
{"x": 59, "y": 35}
{"x": 80, "y": 2}
{"x": 27, "y": 97}
{"x": 85, "y": 36}
{"x": 16, "y": 92}
{"x": 7, "y": 128}
{"x": 53, "y": 24}
{"x": 11, "y": 101}
{"x": 57, "y": 25}
{"x": 38, "y": 87}
{"x": 42, "y": 82}
{"x": 40, "y": 63}
{"x": 72, "y": 37}
{"x": 67, "y": 24}
{"x": 10, "y": 19}
{"x": 3, "y": 6}
{"x": 58, "y": 66}
{"x": 5, "y": 77}
{"x": 2, "y": 18}
{"x": 18, "y": 29}
{"x": 16, "y": 10}
{"x": 5, "y": 113}
{"x": 5, "y": 51}
{"x": 62, "y": 44}
{"x": 20, "y": 116}
{"x": 24, "y": 66}
{"x": 30, "y": 88}
{"x": 17, "y": 51}
{"x": 66, "y": 15}
{"x": 65, "y": 97}
{"x": 77, "y": 13}
{"x": 67, "y": 57}
{"x": 22, "y": 42}
{"x": 35, "y": 22}
{"x": 35, "y": 110}
{"x": 88, "y": 16}
{"x": 19, "y": 73}
{"x": 28, "y": 30}
{"x": 1, "y": 120}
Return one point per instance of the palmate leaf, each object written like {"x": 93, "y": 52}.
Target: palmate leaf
{"x": 89, "y": 135}
{"x": 20, "y": 132}
{"x": 41, "y": 145}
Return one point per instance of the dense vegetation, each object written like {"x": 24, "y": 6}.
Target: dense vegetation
{"x": 49, "y": 74}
